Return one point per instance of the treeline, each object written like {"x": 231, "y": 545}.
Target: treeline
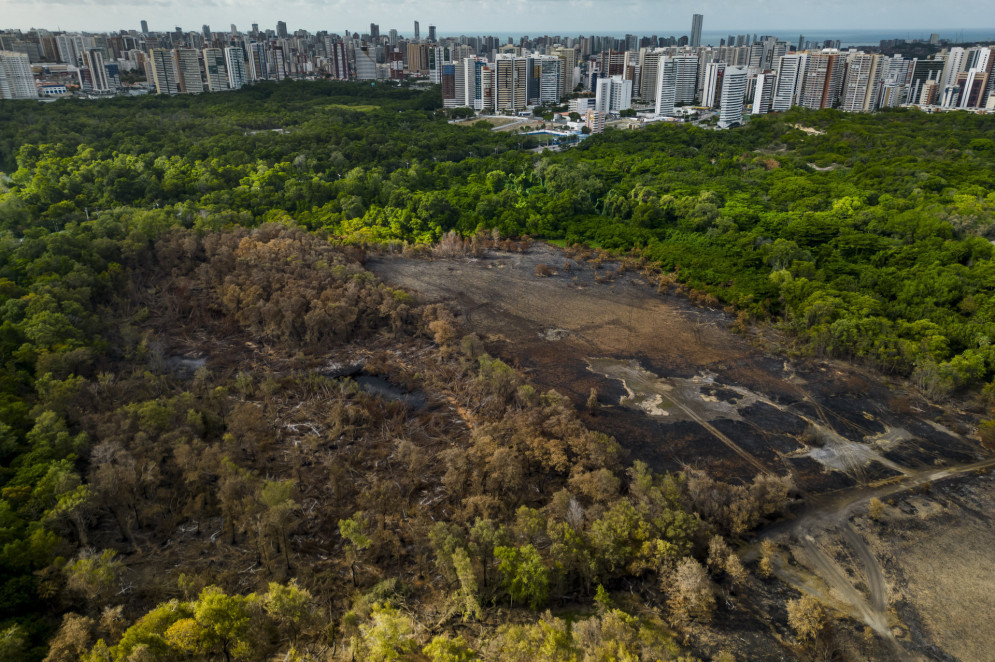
{"x": 187, "y": 472}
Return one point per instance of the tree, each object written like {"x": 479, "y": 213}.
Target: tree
{"x": 290, "y": 606}
{"x": 525, "y": 576}
{"x": 352, "y": 530}
{"x": 13, "y": 642}
{"x": 94, "y": 576}
{"x": 466, "y": 595}
{"x": 386, "y": 635}
{"x": 73, "y": 638}
{"x": 444, "y": 649}
{"x": 223, "y": 621}
{"x": 807, "y": 617}
{"x": 278, "y": 518}
{"x": 768, "y": 550}
{"x": 692, "y": 595}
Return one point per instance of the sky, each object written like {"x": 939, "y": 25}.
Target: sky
{"x": 565, "y": 17}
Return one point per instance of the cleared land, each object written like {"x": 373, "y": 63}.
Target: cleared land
{"x": 676, "y": 386}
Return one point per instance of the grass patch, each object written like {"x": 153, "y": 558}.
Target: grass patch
{"x": 362, "y": 108}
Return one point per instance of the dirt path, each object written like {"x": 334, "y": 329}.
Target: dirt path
{"x": 825, "y": 516}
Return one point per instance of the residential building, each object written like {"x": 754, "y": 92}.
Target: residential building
{"x": 258, "y": 66}
{"x": 921, "y": 72}
{"x": 366, "y": 64}
{"x": 595, "y": 121}
{"x": 613, "y": 95}
{"x": 790, "y": 80}
{"x": 734, "y": 81}
{"x": 16, "y": 80}
{"x": 509, "y": 83}
{"x": 711, "y": 89}
{"x": 187, "y": 61}
{"x": 545, "y": 80}
{"x": 569, "y": 57}
{"x": 696, "y": 21}
{"x": 686, "y": 72}
{"x": 164, "y": 74}
{"x": 649, "y": 67}
{"x": 763, "y": 93}
{"x": 861, "y": 83}
{"x": 93, "y": 61}
{"x": 666, "y": 87}
{"x": 215, "y": 69}
{"x": 823, "y": 80}
{"x": 235, "y": 66}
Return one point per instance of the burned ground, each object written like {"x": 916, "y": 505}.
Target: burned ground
{"x": 704, "y": 396}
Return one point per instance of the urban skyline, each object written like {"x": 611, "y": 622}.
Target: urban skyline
{"x": 745, "y": 73}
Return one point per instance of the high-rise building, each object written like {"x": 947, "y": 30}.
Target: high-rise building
{"x": 649, "y": 67}
{"x": 686, "y": 67}
{"x": 921, "y": 72}
{"x": 473, "y": 87}
{"x": 235, "y": 65}
{"x": 437, "y": 57}
{"x": 417, "y": 32}
{"x": 861, "y": 83}
{"x": 206, "y": 31}
{"x": 66, "y": 46}
{"x": 281, "y": 29}
{"x": 569, "y": 58}
{"x": 612, "y": 63}
{"x": 145, "y": 27}
{"x": 338, "y": 58}
{"x": 449, "y": 86}
{"x": 215, "y": 69}
{"x": 93, "y": 60}
{"x": 929, "y": 93}
{"x": 823, "y": 80}
{"x": 666, "y": 87}
{"x": 417, "y": 58}
{"x": 545, "y": 80}
{"x": 188, "y": 65}
{"x": 258, "y": 66}
{"x": 374, "y": 32}
{"x": 16, "y": 80}
{"x": 431, "y": 33}
{"x": 711, "y": 89}
{"x": 956, "y": 62}
{"x": 763, "y": 93}
{"x": 366, "y": 64}
{"x": 696, "y": 30}
{"x": 790, "y": 78}
{"x": 973, "y": 88}
{"x": 164, "y": 73}
{"x": 395, "y": 64}
{"x": 733, "y": 92}
{"x": 279, "y": 69}
{"x": 613, "y": 95}
{"x": 509, "y": 83}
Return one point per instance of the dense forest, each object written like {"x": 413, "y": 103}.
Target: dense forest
{"x": 191, "y": 467}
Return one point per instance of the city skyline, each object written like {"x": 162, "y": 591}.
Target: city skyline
{"x": 564, "y": 16}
